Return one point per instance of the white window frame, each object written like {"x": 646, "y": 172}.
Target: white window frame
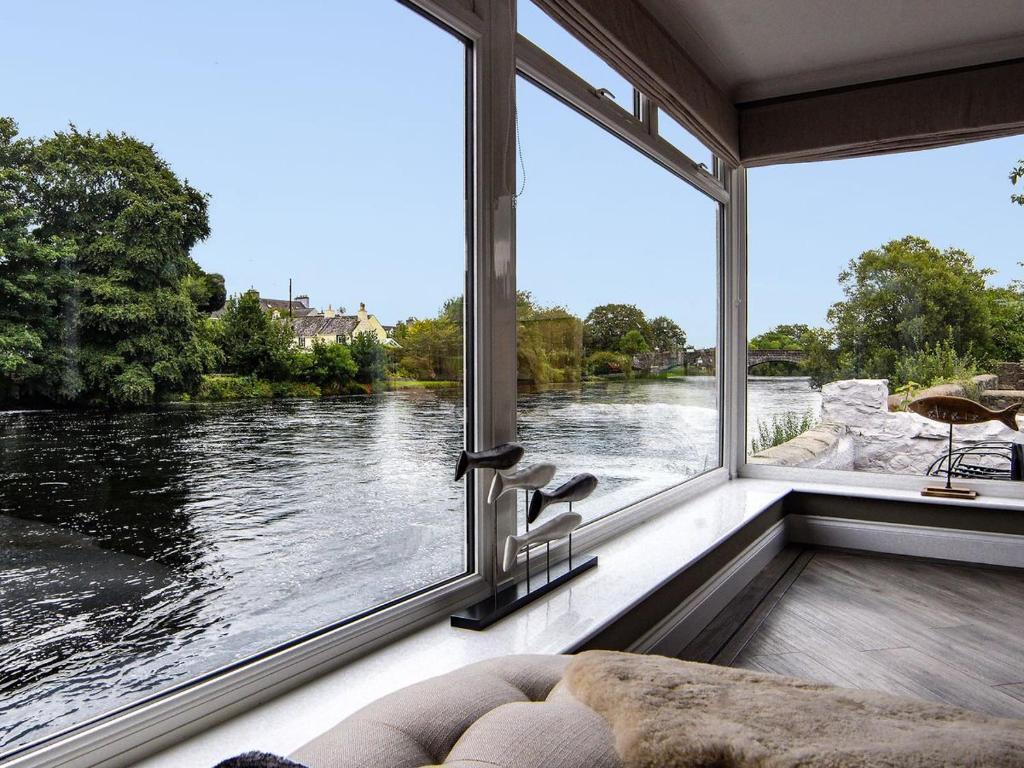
{"x": 496, "y": 55}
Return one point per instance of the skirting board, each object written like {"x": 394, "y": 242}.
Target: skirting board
{"x": 688, "y": 620}
{"x": 1002, "y": 549}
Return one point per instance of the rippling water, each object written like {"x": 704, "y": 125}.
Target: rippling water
{"x": 142, "y": 549}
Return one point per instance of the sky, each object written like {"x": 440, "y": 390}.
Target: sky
{"x": 330, "y": 136}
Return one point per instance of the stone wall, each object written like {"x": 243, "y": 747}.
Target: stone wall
{"x": 897, "y": 442}
{"x": 824, "y": 446}
{"x": 1011, "y": 375}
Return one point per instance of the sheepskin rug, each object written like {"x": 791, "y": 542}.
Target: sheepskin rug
{"x": 676, "y": 714}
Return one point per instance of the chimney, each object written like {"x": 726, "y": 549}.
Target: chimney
{"x": 302, "y": 300}
{"x": 361, "y": 314}
{"x": 329, "y": 312}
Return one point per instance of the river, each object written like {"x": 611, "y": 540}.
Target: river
{"x": 142, "y": 549}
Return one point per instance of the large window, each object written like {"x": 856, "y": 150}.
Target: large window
{"x": 893, "y": 278}
{"x": 184, "y": 484}
{"x": 618, "y": 310}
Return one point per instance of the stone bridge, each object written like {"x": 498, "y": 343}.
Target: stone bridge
{"x": 706, "y": 359}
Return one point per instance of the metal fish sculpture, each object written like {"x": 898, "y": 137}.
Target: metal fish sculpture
{"x": 554, "y": 529}
{"x": 533, "y": 477}
{"x": 575, "y": 489}
{"x": 960, "y": 410}
{"x": 504, "y": 456}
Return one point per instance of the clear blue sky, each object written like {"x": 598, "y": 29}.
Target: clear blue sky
{"x": 329, "y": 134}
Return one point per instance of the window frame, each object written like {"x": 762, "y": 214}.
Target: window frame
{"x": 495, "y": 56}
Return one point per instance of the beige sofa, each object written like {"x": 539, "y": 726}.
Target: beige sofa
{"x": 603, "y": 709}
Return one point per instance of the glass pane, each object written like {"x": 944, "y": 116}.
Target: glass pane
{"x": 284, "y": 464}
{"x": 680, "y": 138}
{"x": 541, "y": 30}
{"x": 872, "y": 281}
{"x": 618, "y": 311}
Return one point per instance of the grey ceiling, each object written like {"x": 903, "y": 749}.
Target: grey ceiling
{"x": 756, "y": 49}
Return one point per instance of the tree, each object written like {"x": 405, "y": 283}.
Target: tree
{"x": 633, "y": 343}
{"x": 329, "y": 366}
{"x": 123, "y": 226}
{"x": 431, "y": 349}
{"x": 793, "y": 336}
{"x": 31, "y": 359}
{"x": 666, "y": 335}
{"x": 369, "y": 356}
{"x": 549, "y": 342}
{"x": 905, "y": 296}
{"x": 252, "y": 341}
{"x": 605, "y": 326}
{"x": 1016, "y": 175}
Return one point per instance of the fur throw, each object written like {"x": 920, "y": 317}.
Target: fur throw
{"x": 676, "y": 714}
{"x": 257, "y": 760}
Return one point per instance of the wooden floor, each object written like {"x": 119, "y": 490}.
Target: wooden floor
{"x": 947, "y": 633}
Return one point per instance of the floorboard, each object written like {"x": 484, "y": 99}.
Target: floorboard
{"x": 943, "y": 632}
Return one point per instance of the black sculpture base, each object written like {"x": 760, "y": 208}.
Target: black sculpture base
{"x": 515, "y": 596}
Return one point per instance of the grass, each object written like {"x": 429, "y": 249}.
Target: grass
{"x": 779, "y": 429}
{"x": 220, "y": 387}
{"x": 414, "y": 384}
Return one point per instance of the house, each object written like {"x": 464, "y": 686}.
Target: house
{"x": 333, "y": 328}
{"x": 297, "y": 307}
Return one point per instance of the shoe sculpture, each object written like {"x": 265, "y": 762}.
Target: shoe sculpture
{"x": 575, "y": 489}
{"x": 504, "y": 456}
{"x": 556, "y": 528}
{"x": 531, "y": 478}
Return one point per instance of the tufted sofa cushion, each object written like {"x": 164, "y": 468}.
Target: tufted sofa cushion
{"x": 506, "y": 712}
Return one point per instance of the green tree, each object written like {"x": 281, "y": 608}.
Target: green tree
{"x": 329, "y": 366}
{"x": 794, "y": 336}
{"x": 430, "y": 350}
{"x": 666, "y": 335}
{"x": 252, "y": 341}
{"x": 549, "y": 342}
{"x": 907, "y": 295}
{"x": 370, "y": 357}
{"x": 125, "y": 226}
{"x": 633, "y": 343}
{"x": 606, "y": 324}
{"x": 1016, "y": 175}
{"x": 31, "y": 283}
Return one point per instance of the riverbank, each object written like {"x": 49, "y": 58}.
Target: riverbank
{"x": 218, "y": 387}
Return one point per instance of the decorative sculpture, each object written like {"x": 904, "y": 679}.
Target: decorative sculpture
{"x": 574, "y": 489}
{"x": 958, "y": 410}
{"x": 554, "y": 529}
{"x": 504, "y": 456}
{"x": 514, "y": 595}
{"x": 531, "y": 478}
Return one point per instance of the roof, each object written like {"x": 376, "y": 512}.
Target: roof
{"x": 299, "y": 308}
{"x": 318, "y": 325}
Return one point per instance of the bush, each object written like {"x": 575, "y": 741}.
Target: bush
{"x": 609, "y": 363}
{"x": 326, "y": 365}
{"x": 779, "y": 429}
{"x": 221, "y": 387}
{"x": 938, "y": 364}
{"x": 370, "y": 357}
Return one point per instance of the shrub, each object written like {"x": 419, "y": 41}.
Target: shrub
{"x": 607, "y": 363}
{"x": 326, "y": 365}
{"x": 938, "y": 364}
{"x": 780, "y": 428}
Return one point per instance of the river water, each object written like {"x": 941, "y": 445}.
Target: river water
{"x": 140, "y": 550}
